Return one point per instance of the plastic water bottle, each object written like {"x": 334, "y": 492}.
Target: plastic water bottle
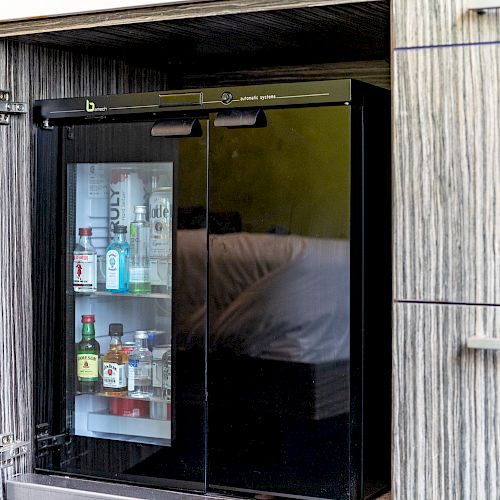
{"x": 140, "y": 368}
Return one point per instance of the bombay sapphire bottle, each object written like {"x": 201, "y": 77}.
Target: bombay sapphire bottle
{"x": 117, "y": 261}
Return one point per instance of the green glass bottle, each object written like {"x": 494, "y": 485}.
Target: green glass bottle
{"x": 87, "y": 357}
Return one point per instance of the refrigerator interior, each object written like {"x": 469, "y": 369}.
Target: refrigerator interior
{"x": 93, "y": 200}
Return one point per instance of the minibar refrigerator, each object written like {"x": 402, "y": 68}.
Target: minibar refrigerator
{"x": 228, "y": 326}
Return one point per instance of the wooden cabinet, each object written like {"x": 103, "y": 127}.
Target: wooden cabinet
{"x": 423, "y": 23}
{"x": 446, "y": 403}
{"x": 447, "y": 174}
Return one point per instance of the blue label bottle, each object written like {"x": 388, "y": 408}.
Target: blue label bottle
{"x": 117, "y": 261}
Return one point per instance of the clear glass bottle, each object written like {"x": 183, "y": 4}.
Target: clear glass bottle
{"x": 87, "y": 357}
{"x": 160, "y": 243}
{"x": 114, "y": 371}
{"x": 167, "y": 381}
{"x": 158, "y": 407}
{"x": 117, "y": 262}
{"x": 139, "y": 253}
{"x": 140, "y": 368}
{"x": 85, "y": 263}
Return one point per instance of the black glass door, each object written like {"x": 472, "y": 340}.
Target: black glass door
{"x": 120, "y": 218}
{"x": 279, "y": 302}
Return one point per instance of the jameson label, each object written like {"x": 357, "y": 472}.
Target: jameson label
{"x": 113, "y": 376}
{"x": 87, "y": 367}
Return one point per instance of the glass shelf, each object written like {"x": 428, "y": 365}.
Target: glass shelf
{"x": 121, "y": 396}
{"x": 128, "y": 295}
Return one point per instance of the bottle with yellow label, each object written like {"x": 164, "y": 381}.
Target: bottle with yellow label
{"x": 87, "y": 357}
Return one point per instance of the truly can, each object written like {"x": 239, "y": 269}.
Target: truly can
{"x": 160, "y": 241}
{"x": 126, "y": 190}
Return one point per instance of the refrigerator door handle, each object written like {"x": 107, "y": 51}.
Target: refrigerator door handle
{"x": 236, "y": 118}
{"x": 181, "y": 127}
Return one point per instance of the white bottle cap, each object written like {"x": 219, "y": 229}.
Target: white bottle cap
{"x": 140, "y": 209}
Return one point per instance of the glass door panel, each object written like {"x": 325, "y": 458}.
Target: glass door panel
{"x": 122, "y": 384}
{"x": 130, "y": 398}
{"x": 279, "y": 303}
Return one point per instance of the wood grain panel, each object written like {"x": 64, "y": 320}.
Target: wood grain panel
{"x": 154, "y": 14}
{"x": 234, "y": 42}
{"x": 446, "y": 420}
{"x": 447, "y": 175}
{"x": 32, "y": 72}
{"x": 423, "y": 23}
{"x": 376, "y": 72}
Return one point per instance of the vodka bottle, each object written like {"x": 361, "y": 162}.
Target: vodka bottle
{"x": 117, "y": 261}
{"x": 140, "y": 368}
{"x": 87, "y": 357}
{"x": 139, "y": 250}
{"x": 114, "y": 371}
{"x": 160, "y": 244}
{"x": 85, "y": 263}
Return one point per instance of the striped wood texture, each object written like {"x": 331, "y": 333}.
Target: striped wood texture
{"x": 162, "y": 13}
{"x": 446, "y": 174}
{"x": 419, "y": 23}
{"x": 32, "y": 72}
{"x": 446, "y": 403}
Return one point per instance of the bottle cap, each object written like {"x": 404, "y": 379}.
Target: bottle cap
{"x": 120, "y": 229}
{"x": 140, "y": 209}
{"x": 88, "y": 318}
{"x": 85, "y": 231}
{"x": 141, "y": 335}
{"x": 116, "y": 329}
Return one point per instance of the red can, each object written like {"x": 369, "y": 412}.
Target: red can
{"x": 128, "y": 347}
{"x": 123, "y": 407}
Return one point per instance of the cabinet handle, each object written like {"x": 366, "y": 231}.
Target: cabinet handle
{"x": 479, "y": 342}
{"x": 481, "y": 6}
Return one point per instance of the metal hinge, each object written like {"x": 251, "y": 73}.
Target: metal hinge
{"x": 46, "y": 441}
{"x": 8, "y": 107}
{"x": 10, "y": 449}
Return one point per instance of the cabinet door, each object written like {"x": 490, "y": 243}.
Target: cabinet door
{"x": 446, "y": 403}
{"x": 423, "y": 23}
{"x": 446, "y": 175}
{"x": 121, "y": 416}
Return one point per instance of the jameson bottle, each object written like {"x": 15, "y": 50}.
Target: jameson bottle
{"x": 139, "y": 253}
{"x": 87, "y": 357}
{"x": 114, "y": 374}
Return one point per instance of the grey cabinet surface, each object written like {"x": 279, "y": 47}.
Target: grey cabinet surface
{"x": 446, "y": 403}
{"x": 423, "y": 23}
{"x": 447, "y": 174}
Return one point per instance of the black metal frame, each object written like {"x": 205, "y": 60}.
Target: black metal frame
{"x": 370, "y": 269}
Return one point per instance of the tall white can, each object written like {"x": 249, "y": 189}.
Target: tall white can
{"x": 160, "y": 241}
{"x": 126, "y": 190}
